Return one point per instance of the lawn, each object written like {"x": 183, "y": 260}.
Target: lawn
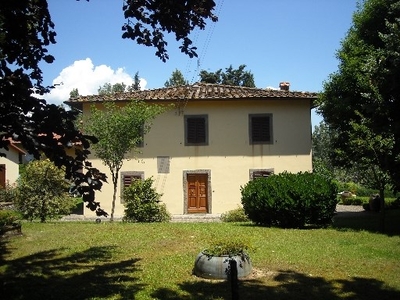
{"x": 72, "y": 260}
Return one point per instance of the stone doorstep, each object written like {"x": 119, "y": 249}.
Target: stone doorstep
{"x": 196, "y": 218}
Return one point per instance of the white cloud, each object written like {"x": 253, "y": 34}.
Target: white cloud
{"x": 87, "y": 78}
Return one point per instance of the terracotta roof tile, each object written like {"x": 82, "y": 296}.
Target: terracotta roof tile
{"x": 197, "y": 91}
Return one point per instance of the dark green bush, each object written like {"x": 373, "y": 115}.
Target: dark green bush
{"x": 142, "y": 203}
{"x": 290, "y": 200}
{"x": 352, "y": 201}
{"x": 235, "y": 215}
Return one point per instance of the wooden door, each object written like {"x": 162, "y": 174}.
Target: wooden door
{"x": 2, "y": 176}
{"x": 197, "y": 193}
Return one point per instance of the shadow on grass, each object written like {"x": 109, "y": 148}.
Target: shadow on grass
{"x": 369, "y": 221}
{"x": 3, "y": 249}
{"x": 82, "y": 275}
{"x": 284, "y": 285}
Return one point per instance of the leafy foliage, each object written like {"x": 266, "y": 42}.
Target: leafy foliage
{"x": 7, "y": 193}
{"x": 136, "y": 83}
{"x": 147, "y": 20}
{"x": 108, "y": 88}
{"x": 290, "y": 200}
{"x": 74, "y": 93}
{"x": 8, "y": 217}
{"x": 361, "y": 101}
{"x": 228, "y": 247}
{"x": 235, "y": 215}
{"x": 26, "y": 31}
{"x": 237, "y": 77}
{"x": 176, "y": 79}
{"x": 119, "y": 130}
{"x": 142, "y": 203}
{"x": 41, "y": 192}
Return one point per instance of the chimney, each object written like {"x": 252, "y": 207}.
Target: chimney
{"x": 284, "y": 86}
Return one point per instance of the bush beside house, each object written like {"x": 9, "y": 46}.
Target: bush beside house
{"x": 142, "y": 203}
{"x": 290, "y": 200}
{"x": 42, "y": 192}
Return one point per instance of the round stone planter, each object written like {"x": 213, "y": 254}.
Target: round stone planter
{"x": 217, "y": 267}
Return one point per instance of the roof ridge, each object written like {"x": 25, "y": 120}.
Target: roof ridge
{"x": 197, "y": 91}
{"x": 221, "y": 85}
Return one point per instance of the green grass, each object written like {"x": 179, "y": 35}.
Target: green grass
{"x": 70, "y": 260}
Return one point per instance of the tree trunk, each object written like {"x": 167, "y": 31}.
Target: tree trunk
{"x": 382, "y": 211}
{"x": 115, "y": 183}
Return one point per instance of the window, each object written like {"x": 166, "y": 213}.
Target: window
{"x": 260, "y": 173}
{"x": 260, "y": 129}
{"x": 127, "y": 178}
{"x": 196, "y": 130}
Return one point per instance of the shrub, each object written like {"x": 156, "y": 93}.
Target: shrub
{"x": 9, "y": 217}
{"x": 290, "y": 200}
{"x": 229, "y": 248}
{"x": 9, "y": 221}
{"x": 7, "y": 193}
{"x": 41, "y": 192}
{"x": 352, "y": 187}
{"x": 361, "y": 190}
{"x": 142, "y": 203}
{"x": 235, "y": 215}
{"x": 351, "y": 201}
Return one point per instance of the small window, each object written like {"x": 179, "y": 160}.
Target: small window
{"x": 196, "y": 130}
{"x": 127, "y": 178}
{"x": 260, "y": 129}
{"x": 260, "y": 173}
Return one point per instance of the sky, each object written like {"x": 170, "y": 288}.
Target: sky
{"x": 277, "y": 40}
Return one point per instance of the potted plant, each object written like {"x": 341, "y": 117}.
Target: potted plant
{"x": 214, "y": 261}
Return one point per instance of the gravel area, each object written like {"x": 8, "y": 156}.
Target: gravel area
{"x": 351, "y": 211}
{"x": 349, "y": 208}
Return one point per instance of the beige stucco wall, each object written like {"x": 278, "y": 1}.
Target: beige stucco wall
{"x": 12, "y": 167}
{"x": 228, "y": 157}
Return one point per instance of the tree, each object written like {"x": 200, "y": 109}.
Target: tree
{"x": 119, "y": 131}
{"x": 362, "y": 99}
{"x": 237, "y": 77}
{"x": 322, "y": 150}
{"x": 26, "y": 31}
{"x": 147, "y": 20}
{"x": 74, "y": 93}
{"x": 324, "y": 155}
{"x": 108, "y": 88}
{"x": 136, "y": 83}
{"x": 42, "y": 192}
{"x": 176, "y": 79}
{"x": 324, "y": 160}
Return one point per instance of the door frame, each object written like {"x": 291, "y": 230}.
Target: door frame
{"x": 3, "y": 170}
{"x": 185, "y": 189}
